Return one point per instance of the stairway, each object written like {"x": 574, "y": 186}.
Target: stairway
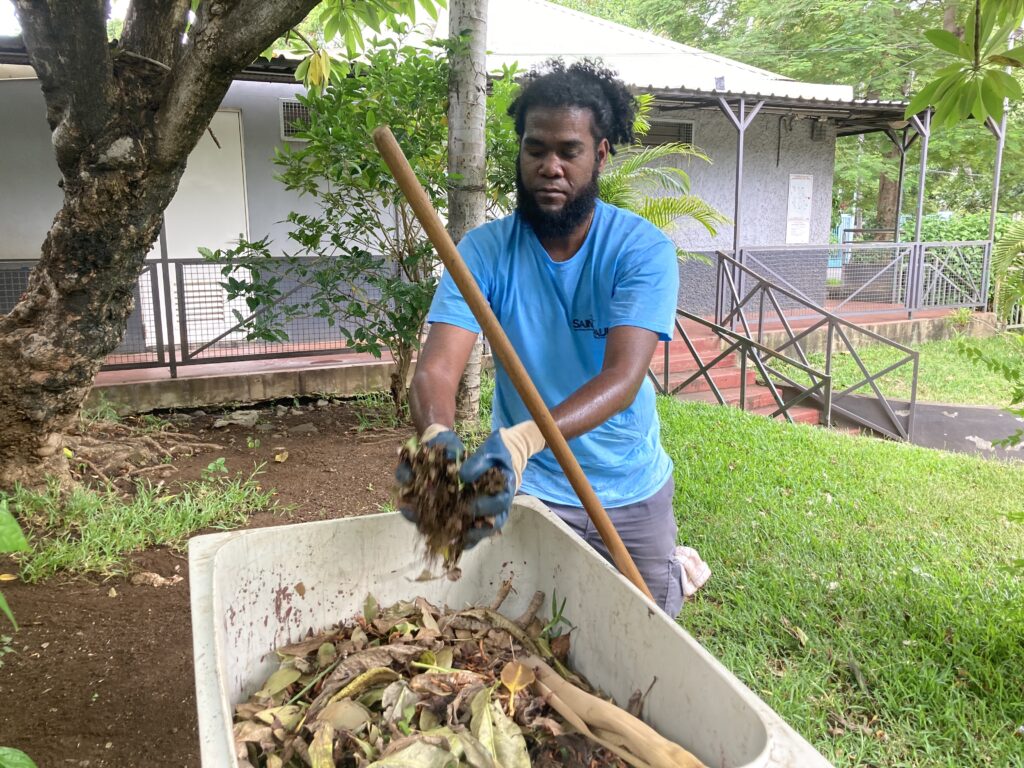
{"x": 726, "y": 374}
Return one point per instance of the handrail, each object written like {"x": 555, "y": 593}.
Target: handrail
{"x": 754, "y": 351}
{"x": 891, "y": 425}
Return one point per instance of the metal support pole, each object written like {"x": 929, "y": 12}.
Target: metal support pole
{"x": 741, "y": 130}
{"x": 923, "y": 127}
{"x": 1000, "y": 133}
{"x": 902, "y": 147}
{"x": 168, "y": 303}
{"x": 741, "y": 122}
{"x": 916, "y": 272}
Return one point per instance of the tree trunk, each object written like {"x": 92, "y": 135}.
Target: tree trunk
{"x": 467, "y": 117}
{"x": 124, "y": 119}
{"x": 888, "y": 191}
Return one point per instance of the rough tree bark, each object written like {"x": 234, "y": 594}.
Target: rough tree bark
{"x": 887, "y": 194}
{"x": 467, "y": 118}
{"x": 124, "y": 119}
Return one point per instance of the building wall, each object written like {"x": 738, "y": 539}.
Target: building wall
{"x": 30, "y": 196}
{"x": 29, "y": 192}
{"x": 773, "y": 150}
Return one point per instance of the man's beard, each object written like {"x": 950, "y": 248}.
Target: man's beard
{"x": 560, "y": 223}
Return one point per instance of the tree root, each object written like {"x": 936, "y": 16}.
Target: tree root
{"x": 117, "y": 455}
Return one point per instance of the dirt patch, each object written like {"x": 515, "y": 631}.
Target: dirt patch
{"x": 101, "y": 674}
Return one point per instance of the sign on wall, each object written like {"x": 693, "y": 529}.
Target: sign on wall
{"x": 798, "y": 219}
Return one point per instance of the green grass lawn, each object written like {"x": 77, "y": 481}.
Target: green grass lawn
{"x": 859, "y": 586}
{"x": 944, "y": 376}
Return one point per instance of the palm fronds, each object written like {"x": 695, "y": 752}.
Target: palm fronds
{"x": 1008, "y": 269}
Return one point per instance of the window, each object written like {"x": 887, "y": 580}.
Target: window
{"x": 663, "y": 132}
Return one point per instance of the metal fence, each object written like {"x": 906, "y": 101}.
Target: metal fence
{"x": 851, "y": 279}
{"x": 182, "y": 314}
{"x": 1016, "y": 320}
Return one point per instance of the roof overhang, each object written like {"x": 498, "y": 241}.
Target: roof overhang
{"x": 853, "y": 117}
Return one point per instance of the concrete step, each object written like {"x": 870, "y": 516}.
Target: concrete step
{"x": 684, "y": 361}
{"x": 801, "y": 414}
{"x": 724, "y": 378}
{"x": 756, "y": 397}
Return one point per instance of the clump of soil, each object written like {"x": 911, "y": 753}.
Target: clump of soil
{"x": 442, "y": 502}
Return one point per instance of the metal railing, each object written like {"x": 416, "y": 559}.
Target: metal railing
{"x": 1015, "y": 321}
{"x": 182, "y": 316}
{"x": 755, "y": 353}
{"x": 742, "y": 290}
{"x": 851, "y": 279}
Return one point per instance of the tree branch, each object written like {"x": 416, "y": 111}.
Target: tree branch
{"x": 224, "y": 40}
{"x": 155, "y": 29}
{"x": 67, "y": 45}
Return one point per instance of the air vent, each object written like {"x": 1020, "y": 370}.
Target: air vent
{"x": 294, "y": 119}
{"x": 665, "y": 132}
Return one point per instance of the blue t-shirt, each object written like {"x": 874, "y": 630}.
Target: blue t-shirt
{"x": 557, "y": 316}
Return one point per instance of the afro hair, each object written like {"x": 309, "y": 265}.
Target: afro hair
{"x": 584, "y": 84}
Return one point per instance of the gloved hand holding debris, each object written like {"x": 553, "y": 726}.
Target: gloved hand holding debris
{"x": 436, "y": 435}
{"x": 433, "y": 495}
{"x": 507, "y": 450}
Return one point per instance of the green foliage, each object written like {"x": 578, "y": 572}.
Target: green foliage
{"x": 92, "y": 531}
{"x": 502, "y": 141}
{"x": 1010, "y": 369}
{"x": 1008, "y": 269}
{"x": 343, "y": 21}
{"x": 11, "y": 540}
{"x": 367, "y": 266}
{"x": 960, "y": 319}
{"x": 891, "y": 560}
{"x": 955, "y": 229}
{"x": 363, "y": 260}
{"x": 643, "y": 180}
{"x": 103, "y": 410}
{"x": 974, "y": 84}
{"x": 14, "y": 758}
{"x": 376, "y": 410}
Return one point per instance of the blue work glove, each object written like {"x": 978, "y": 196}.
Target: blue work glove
{"x": 508, "y": 451}
{"x": 434, "y": 435}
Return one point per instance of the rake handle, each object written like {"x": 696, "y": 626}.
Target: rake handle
{"x": 502, "y": 347}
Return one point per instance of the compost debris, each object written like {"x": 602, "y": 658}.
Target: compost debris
{"x": 418, "y": 686}
{"x": 441, "y": 502}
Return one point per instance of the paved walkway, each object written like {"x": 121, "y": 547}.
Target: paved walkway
{"x": 967, "y": 429}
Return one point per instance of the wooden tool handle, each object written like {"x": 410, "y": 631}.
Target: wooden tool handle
{"x": 428, "y": 218}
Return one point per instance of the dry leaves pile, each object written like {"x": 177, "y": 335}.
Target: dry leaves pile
{"x": 416, "y": 686}
{"x": 441, "y": 500}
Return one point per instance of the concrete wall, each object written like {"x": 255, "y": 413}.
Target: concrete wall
{"x": 30, "y": 197}
{"x": 773, "y": 150}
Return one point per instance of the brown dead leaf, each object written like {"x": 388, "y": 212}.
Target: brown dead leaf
{"x": 560, "y": 647}
{"x": 281, "y": 457}
{"x": 150, "y": 579}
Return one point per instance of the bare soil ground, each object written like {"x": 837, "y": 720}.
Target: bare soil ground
{"x": 101, "y": 670}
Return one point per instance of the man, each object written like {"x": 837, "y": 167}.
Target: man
{"x": 584, "y": 292}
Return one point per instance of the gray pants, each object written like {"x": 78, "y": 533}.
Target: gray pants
{"x": 648, "y": 529}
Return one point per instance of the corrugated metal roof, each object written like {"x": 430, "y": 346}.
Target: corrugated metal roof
{"x": 530, "y": 31}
